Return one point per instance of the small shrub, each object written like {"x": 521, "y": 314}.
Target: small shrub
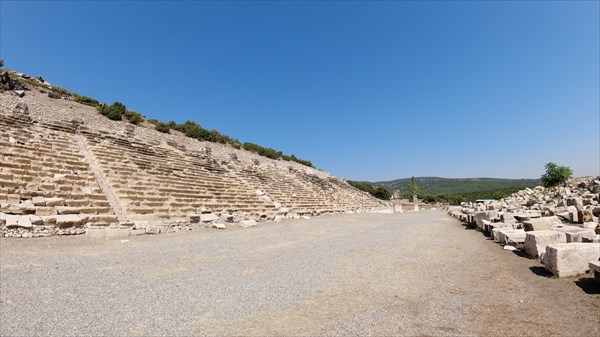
{"x": 162, "y": 127}
{"x": 86, "y": 100}
{"x": 60, "y": 90}
{"x": 134, "y": 117}
{"x": 114, "y": 111}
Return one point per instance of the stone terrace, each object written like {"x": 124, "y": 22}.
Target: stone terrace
{"x": 65, "y": 170}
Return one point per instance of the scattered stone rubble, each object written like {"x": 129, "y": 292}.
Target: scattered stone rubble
{"x": 560, "y": 225}
{"x": 66, "y": 170}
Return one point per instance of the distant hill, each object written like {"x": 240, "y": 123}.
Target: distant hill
{"x": 473, "y": 187}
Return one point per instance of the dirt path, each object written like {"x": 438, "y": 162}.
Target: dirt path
{"x": 378, "y": 274}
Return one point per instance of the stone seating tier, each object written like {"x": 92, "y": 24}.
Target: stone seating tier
{"x": 110, "y": 175}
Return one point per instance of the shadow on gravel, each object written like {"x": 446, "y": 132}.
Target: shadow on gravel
{"x": 588, "y": 286}
{"x": 521, "y": 253}
{"x": 541, "y": 271}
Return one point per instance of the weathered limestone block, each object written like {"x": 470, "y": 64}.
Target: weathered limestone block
{"x": 2, "y": 219}
{"x": 53, "y": 202}
{"x": 67, "y": 210}
{"x": 511, "y": 236}
{"x": 525, "y": 216}
{"x": 35, "y": 220}
{"x": 248, "y": 223}
{"x": 40, "y": 211}
{"x": 486, "y": 215}
{"x": 208, "y": 217}
{"x": 38, "y": 201}
{"x": 68, "y": 220}
{"x": 536, "y": 241}
{"x": 12, "y": 220}
{"x": 49, "y": 220}
{"x": 570, "y": 259}
{"x": 226, "y": 217}
{"x": 24, "y": 222}
{"x": 17, "y": 208}
{"x": 574, "y": 233}
{"x": 541, "y": 223}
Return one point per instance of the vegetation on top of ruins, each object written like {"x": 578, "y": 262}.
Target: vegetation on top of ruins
{"x": 114, "y": 111}
{"x": 60, "y": 90}
{"x": 118, "y": 111}
{"x": 85, "y": 100}
{"x": 378, "y": 192}
{"x": 556, "y": 175}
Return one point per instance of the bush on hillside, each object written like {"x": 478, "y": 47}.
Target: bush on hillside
{"x": 60, "y": 90}
{"x": 85, "y": 100}
{"x": 162, "y": 127}
{"x": 134, "y": 117}
{"x": 114, "y": 111}
{"x": 379, "y": 192}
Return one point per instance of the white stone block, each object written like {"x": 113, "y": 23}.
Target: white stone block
{"x": 536, "y": 241}
{"x": 537, "y": 224}
{"x": 570, "y": 259}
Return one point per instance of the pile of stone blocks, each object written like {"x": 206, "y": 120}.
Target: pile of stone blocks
{"x": 560, "y": 226}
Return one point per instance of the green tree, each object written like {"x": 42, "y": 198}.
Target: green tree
{"x": 413, "y": 189}
{"x": 556, "y": 175}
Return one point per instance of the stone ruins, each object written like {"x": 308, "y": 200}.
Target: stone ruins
{"x": 65, "y": 169}
{"x": 559, "y": 226}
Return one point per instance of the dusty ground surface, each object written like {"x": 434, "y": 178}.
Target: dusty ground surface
{"x": 418, "y": 274}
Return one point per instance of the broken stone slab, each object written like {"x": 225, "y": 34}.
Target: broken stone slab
{"x": 24, "y": 222}
{"x": 511, "y": 236}
{"x": 69, "y": 220}
{"x": 153, "y": 229}
{"x": 67, "y": 210}
{"x": 570, "y": 259}
{"x": 248, "y": 223}
{"x": 486, "y": 215}
{"x": 2, "y": 219}
{"x": 52, "y": 202}
{"x": 574, "y": 233}
{"x": 208, "y": 217}
{"x": 524, "y": 216}
{"x": 219, "y": 226}
{"x": 38, "y": 201}
{"x": 12, "y": 220}
{"x": 17, "y": 208}
{"x": 226, "y": 217}
{"x": 536, "y": 241}
{"x": 537, "y": 224}
{"x": 35, "y": 220}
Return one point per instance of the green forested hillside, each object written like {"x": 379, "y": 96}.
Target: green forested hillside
{"x": 460, "y": 189}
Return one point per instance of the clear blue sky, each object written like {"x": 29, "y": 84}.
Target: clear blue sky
{"x": 365, "y": 90}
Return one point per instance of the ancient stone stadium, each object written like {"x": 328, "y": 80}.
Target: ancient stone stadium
{"x": 65, "y": 169}
{"x": 82, "y": 198}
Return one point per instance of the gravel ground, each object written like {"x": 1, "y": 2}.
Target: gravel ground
{"x": 368, "y": 274}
